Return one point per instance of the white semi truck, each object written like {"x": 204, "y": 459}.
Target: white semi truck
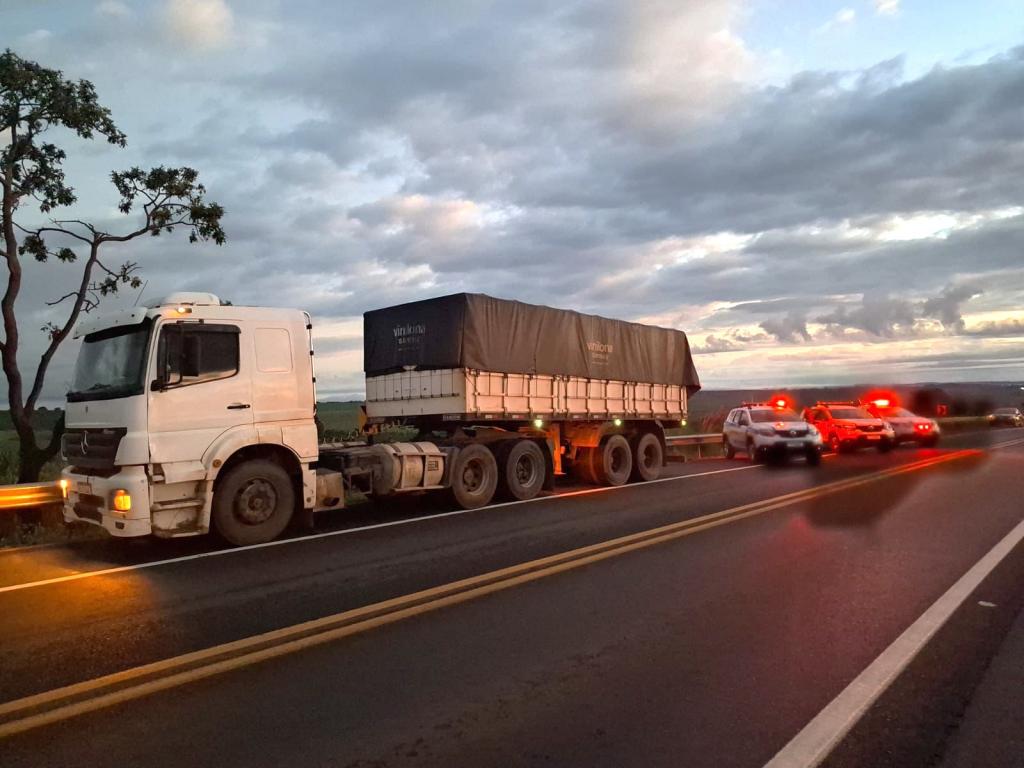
{"x": 191, "y": 414}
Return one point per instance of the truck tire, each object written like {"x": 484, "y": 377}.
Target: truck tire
{"x": 613, "y": 461}
{"x": 474, "y": 476}
{"x": 522, "y": 470}
{"x": 647, "y": 458}
{"x": 254, "y": 503}
{"x": 583, "y": 466}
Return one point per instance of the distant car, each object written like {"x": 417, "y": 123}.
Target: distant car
{"x": 1010, "y": 417}
{"x": 908, "y": 426}
{"x": 847, "y": 426}
{"x": 765, "y": 430}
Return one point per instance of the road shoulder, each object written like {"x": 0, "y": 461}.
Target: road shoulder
{"x": 990, "y": 733}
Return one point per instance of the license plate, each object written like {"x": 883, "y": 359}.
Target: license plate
{"x": 796, "y": 443}
{"x": 84, "y": 488}
{"x": 874, "y": 437}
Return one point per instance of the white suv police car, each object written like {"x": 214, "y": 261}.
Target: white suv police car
{"x": 770, "y": 430}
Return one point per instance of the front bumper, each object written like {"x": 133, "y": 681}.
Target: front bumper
{"x": 914, "y": 435}
{"x": 867, "y": 440}
{"x": 90, "y": 500}
{"x": 781, "y": 445}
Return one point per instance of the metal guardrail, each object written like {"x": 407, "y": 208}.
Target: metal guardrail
{"x": 683, "y": 441}
{"x": 29, "y": 495}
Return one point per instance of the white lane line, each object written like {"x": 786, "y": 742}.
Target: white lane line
{"x": 360, "y": 529}
{"x": 820, "y": 736}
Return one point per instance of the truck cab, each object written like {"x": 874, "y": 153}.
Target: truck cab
{"x": 174, "y": 400}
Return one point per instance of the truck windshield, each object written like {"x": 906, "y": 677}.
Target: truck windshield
{"x": 111, "y": 364}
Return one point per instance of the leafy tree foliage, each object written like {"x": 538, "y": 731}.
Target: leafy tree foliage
{"x": 34, "y": 100}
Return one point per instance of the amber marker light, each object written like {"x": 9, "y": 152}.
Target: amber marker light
{"x": 122, "y": 500}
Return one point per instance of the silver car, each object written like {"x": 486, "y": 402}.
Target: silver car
{"x": 763, "y": 431}
{"x": 907, "y": 426}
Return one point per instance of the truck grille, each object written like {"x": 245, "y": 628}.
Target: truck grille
{"x": 92, "y": 448}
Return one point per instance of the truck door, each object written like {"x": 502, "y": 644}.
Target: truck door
{"x": 202, "y": 388}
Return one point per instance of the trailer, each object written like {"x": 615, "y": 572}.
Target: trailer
{"x": 202, "y": 415}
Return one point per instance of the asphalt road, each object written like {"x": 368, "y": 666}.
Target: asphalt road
{"x": 713, "y": 648}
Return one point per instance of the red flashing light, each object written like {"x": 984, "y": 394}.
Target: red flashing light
{"x": 881, "y": 398}
{"x": 780, "y": 402}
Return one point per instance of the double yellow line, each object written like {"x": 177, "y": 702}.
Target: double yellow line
{"x": 59, "y": 704}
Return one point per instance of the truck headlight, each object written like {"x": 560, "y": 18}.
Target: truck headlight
{"x": 122, "y": 500}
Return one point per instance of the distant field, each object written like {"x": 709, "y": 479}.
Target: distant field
{"x": 338, "y": 419}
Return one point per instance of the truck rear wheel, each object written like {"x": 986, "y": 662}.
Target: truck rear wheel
{"x": 474, "y": 476}
{"x": 583, "y": 466}
{"x": 522, "y": 470}
{"x": 254, "y": 503}
{"x": 647, "y": 458}
{"x": 613, "y": 461}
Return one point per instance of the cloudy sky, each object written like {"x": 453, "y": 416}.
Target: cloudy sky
{"x": 817, "y": 192}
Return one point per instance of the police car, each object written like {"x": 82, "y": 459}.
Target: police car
{"x": 846, "y": 426}
{"x": 764, "y": 430}
{"x": 907, "y": 426}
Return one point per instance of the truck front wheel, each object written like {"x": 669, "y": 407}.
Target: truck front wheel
{"x": 254, "y": 503}
{"x": 474, "y": 476}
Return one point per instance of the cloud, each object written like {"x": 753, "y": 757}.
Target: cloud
{"x": 199, "y": 23}
{"x": 878, "y": 315}
{"x": 620, "y": 159}
{"x": 113, "y": 9}
{"x": 886, "y": 7}
{"x": 946, "y": 306}
{"x": 844, "y": 17}
{"x": 791, "y": 327}
{"x": 713, "y": 344}
{"x": 993, "y": 328}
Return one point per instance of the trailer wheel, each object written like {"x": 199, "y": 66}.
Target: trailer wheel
{"x": 522, "y": 470}
{"x": 613, "y": 461}
{"x": 647, "y": 458}
{"x": 474, "y": 476}
{"x": 254, "y": 503}
{"x": 583, "y": 466}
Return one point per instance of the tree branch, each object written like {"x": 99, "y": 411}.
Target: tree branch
{"x": 58, "y": 230}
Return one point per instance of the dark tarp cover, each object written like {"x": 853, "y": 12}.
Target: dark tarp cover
{"x": 471, "y": 330}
